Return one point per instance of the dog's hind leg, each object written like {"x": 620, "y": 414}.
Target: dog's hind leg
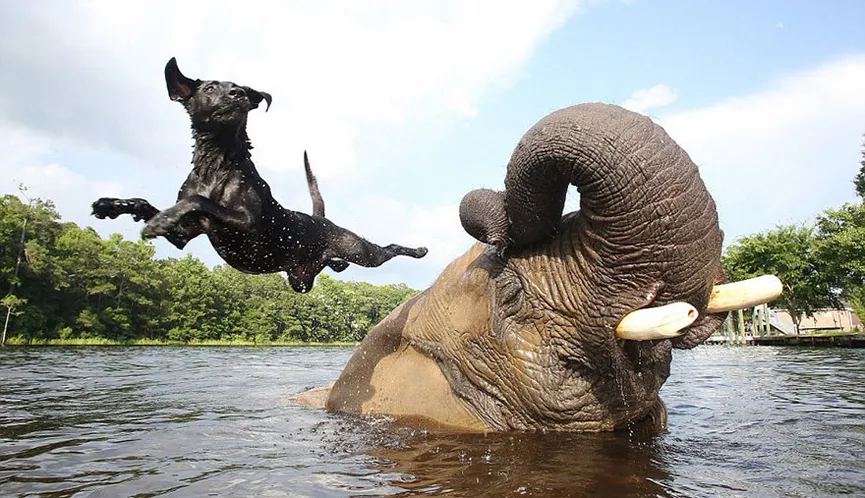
{"x": 351, "y": 247}
{"x": 337, "y": 265}
{"x": 302, "y": 278}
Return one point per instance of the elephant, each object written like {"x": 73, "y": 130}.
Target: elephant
{"x": 524, "y": 331}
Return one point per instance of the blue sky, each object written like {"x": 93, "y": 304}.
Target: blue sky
{"x": 406, "y": 106}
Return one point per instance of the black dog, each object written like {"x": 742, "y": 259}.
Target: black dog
{"x": 225, "y": 197}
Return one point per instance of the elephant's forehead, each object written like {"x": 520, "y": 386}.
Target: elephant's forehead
{"x": 465, "y": 274}
{"x": 457, "y": 304}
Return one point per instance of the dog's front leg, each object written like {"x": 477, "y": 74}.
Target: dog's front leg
{"x": 109, "y": 207}
{"x": 166, "y": 220}
{"x": 140, "y": 209}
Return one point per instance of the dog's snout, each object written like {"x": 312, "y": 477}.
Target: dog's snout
{"x": 237, "y": 92}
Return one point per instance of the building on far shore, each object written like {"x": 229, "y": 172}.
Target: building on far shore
{"x": 844, "y": 320}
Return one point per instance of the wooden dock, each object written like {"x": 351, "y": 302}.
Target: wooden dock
{"x": 854, "y": 340}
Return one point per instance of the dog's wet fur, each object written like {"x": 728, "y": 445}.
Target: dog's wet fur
{"x": 225, "y": 197}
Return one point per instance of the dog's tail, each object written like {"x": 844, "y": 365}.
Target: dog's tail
{"x": 317, "y": 201}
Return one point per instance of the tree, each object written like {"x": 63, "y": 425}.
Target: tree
{"x": 193, "y": 307}
{"x": 788, "y": 252}
{"x": 132, "y": 308}
{"x": 82, "y": 276}
{"x": 11, "y": 302}
{"x": 258, "y": 308}
{"x": 859, "y": 181}
{"x": 841, "y": 244}
{"x": 26, "y": 231}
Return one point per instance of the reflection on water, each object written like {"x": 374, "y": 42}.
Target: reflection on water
{"x": 744, "y": 421}
{"x": 528, "y": 465}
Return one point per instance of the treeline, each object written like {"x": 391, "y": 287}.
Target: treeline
{"x": 61, "y": 281}
{"x": 821, "y": 263}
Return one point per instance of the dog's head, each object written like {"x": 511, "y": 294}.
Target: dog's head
{"x": 212, "y": 104}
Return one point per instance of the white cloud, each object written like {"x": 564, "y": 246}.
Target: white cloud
{"x": 87, "y": 76}
{"x": 332, "y": 67}
{"x": 783, "y": 154}
{"x": 28, "y": 162}
{"x": 650, "y": 98}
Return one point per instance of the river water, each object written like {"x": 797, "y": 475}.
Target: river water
{"x": 183, "y": 421}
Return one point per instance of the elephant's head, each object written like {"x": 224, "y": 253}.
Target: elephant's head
{"x": 520, "y": 331}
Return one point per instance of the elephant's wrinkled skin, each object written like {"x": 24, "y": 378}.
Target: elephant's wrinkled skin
{"x": 520, "y": 334}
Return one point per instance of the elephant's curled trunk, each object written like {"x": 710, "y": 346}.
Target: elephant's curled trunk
{"x": 620, "y": 162}
{"x": 643, "y": 206}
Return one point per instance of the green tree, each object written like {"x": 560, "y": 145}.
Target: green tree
{"x": 789, "y": 252}
{"x": 193, "y": 307}
{"x": 859, "y": 180}
{"x": 335, "y": 321}
{"x": 137, "y": 288}
{"x": 841, "y": 245}
{"x": 258, "y": 310}
{"x": 27, "y": 232}
{"x": 81, "y": 277}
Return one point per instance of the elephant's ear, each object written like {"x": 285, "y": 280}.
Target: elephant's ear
{"x": 180, "y": 88}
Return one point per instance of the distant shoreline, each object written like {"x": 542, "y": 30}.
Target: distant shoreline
{"x": 18, "y": 342}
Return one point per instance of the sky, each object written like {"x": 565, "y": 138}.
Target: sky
{"x": 406, "y": 106}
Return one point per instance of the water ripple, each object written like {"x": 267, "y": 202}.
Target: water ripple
{"x": 747, "y": 421}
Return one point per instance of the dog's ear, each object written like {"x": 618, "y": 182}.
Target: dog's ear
{"x": 256, "y": 97}
{"x": 180, "y": 87}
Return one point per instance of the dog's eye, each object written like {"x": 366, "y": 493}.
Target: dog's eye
{"x": 208, "y": 89}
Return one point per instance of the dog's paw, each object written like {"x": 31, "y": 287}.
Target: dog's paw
{"x": 151, "y": 232}
{"x": 338, "y": 265}
{"x": 300, "y": 282}
{"x": 158, "y": 225}
{"x": 105, "y": 207}
{"x": 109, "y": 207}
{"x": 420, "y": 252}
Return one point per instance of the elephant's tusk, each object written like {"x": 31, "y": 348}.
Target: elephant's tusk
{"x": 663, "y": 322}
{"x": 744, "y": 294}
